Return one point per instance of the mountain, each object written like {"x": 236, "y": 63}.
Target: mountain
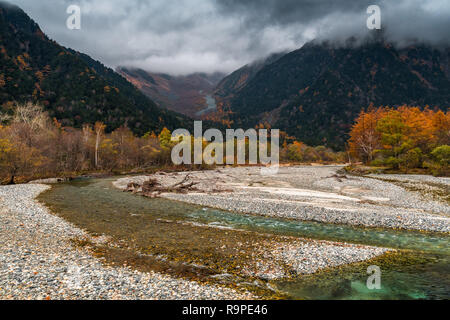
{"x": 73, "y": 87}
{"x": 184, "y": 94}
{"x": 316, "y": 92}
{"x": 237, "y": 80}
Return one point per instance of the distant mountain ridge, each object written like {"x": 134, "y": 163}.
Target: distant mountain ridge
{"x": 73, "y": 87}
{"x": 183, "y": 94}
{"x": 316, "y": 92}
{"x": 237, "y": 80}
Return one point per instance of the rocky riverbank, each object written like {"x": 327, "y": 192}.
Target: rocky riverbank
{"x": 38, "y": 260}
{"x": 321, "y": 194}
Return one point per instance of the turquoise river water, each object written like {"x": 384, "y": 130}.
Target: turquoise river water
{"x": 422, "y": 273}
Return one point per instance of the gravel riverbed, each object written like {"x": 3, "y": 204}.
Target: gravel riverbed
{"x": 275, "y": 261}
{"x": 317, "y": 193}
{"x": 39, "y": 261}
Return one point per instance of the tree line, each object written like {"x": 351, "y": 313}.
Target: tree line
{"x": 32, "y": 145}
{"x": 403, "y": 138}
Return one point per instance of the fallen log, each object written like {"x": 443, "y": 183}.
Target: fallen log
{"x": 152, "y": 188}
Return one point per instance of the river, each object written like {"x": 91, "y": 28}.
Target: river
{"x": 210, "y": 103}
{"x": 197, "y": 236}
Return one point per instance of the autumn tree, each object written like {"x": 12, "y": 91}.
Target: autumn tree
{"x": 417, "y": 127}
{"x": 165, "y": 142}
{"x": 33, "y": 145}
{"x": 149, "y": 149}
{"x": 393, "y": 137}
{"x": 127, "y": 146}
{"x": 404, "y": 137}
{"x": 16, "y": 157}
{"x": 87, "y": 135}
{"x": 109, "y": 152}
{"x": 165, "y": 138}
{"x": 441, "y": 160}
{"x": 364, "y": 136}
{"x": 441, "y": 128}
{"x": 295, "y": 151}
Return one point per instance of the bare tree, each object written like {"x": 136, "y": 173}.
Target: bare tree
{"x": 99, "y": 129}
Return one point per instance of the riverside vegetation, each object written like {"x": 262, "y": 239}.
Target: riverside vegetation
{"x": 405, "y": 138}
{"x": 33, "y": 146}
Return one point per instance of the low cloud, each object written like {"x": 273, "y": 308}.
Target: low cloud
{"x": 186, "y": 36}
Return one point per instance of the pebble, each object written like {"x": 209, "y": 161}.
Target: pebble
{"x": 353, "y": 200}
{"x": 38, "y": 261}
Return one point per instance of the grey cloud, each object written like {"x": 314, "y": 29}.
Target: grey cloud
{"x": 185, "y": 36}
{"x": 263, "y": 12}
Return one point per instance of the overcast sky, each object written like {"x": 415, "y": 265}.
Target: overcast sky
{"x": 185, "y": 36}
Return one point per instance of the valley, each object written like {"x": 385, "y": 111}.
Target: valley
{"x": 189, "y": 95}
{"x": 105, "y": 194}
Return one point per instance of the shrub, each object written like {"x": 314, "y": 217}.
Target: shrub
{"x": 442, "y": 155}
{"x": 412, "y": 158}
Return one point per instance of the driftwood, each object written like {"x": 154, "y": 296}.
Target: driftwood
{"x": 149, "y": 185}
{"x": 152, "y": 188}
{"x": 186, "y": 178}
{"x": 132, "y": 187}
{"x": 340, "y": 177}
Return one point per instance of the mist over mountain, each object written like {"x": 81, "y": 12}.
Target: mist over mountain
{"x": 73, "y": 87}
{"x": 316, "y": 92}
{"x": 185, "y": 37}
{"x": 184, "y": 94}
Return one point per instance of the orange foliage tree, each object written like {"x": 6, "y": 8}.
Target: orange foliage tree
{"x": 364, "y": 137}
{"x": 405, "y": 136}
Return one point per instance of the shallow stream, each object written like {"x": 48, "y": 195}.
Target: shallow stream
{"x": 203, "y": 243}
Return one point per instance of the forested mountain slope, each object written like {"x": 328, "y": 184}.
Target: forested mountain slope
{"x": 74, "y": 88}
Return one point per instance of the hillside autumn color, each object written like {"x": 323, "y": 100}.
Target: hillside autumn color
{"x": 71, "y": 86}
{"x": 403, "y": 138}
{"x": 32, "y": 145}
